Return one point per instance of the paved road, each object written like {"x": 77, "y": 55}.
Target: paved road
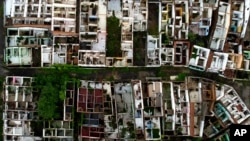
{"x": 22, "y": 71}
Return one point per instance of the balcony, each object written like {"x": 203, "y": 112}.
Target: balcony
{"x": 19, "y": 1}
{"x": 71, "y": 2}
{"x": 33, "y": 1}
{"x": 47, "y": 1}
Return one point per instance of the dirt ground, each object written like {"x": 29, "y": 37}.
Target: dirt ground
{"x": 153, "y": 18}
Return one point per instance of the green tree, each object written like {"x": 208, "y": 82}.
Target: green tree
{"x": 51, "y": 84}
{"x": 165, "y": 38}
{"x": 113, "y": 37}
{"x": 192, "y": 37}
{"x": 196, "y": 39}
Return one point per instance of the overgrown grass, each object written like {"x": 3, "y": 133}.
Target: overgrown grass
{"x": 113, "y": 37}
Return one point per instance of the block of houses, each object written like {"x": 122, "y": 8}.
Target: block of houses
{"x": 235, "y": 106}
{"x": 92, "y": 33}
{"x": 126, "y": 16}
{"x": 228, "y": 109}
{"x": 21, "y": 116}
{"x": 153, "y": 51}
{"x": 181, "y": 20}
{"x": 167, "y": 22}
{"x": 64, "y": 17}
{"x": 222, "y": 26}
{"x": 69, "y": 102}
{"x": 139, "y": 108}
{"x": 184, "y": 124}
{"x": 226, "y": 113}
{"x": 174, "y": 25}
{"x": 140, "y": 15}
{"x": 128, "y": 110}
{"x": 62, "y": 129}
{"x": 90, "y": 102}
{"x": 127, "y": 27}
{"x": 219, "y": 62}
{"x": 153, "y": 44}
{"x": 63, "y": 27}
{"x": 169, "y": 109}
{"x": 40, "y": 33}
{"x": 110, "y": 119}
{"x": 153, "y": 111}
{"x": 65, "y": 50}
{"x": 236, "y": 25}
{"x": 58, "y": 129}
{"x": 218, "y": 122}
{"x": 23, "y": 45}
{"x": 234, "y": 61}
{"x": 199, "y": 58}
{"x": 181, "y": 53}
{"x": 20, "y": 102}
{"x": 125, "y": 113}
{"x": 31, "y": 23}
{"x": 167, "y": 56}
{"x": 246, "y": 13}
{"x": 133, "y": 17}
{"x": 246, "y": 65}
{"x": 201, "y": 17}
{"x": 202, "y": 96}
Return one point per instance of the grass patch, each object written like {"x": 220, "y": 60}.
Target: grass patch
{"x": 181, "y": 77}
{"x": 168, "y": 125}
{"x": 166, "y": 91}
{"x": 114, "y": 37}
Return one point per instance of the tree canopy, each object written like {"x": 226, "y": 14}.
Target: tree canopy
{"x": 196, "y": 39}
{"x": 51, "y": 85}
{"x": 113, "y": 37}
